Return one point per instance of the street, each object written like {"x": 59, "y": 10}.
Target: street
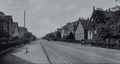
{"x": 51, "y": 52}
{"x": 62, "y": 52}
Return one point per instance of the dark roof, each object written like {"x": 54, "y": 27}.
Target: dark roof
{"x": 76, "y": 23}
{"x": 66, "y": 26}
{"x": 108, "y": 14}
{"x": 84, "y": 23}
{"x": 15, "y": 24}
{"x": 9, "y": 18}
{"x": 2, "y": 14}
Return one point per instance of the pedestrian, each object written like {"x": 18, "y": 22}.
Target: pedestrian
{"x": 27, "y": 50}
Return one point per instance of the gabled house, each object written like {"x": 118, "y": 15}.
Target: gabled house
{"x": 4, "y": 26}
{"x": 10, "y": 22}
{"x": 98, "y": 19}
{"x": 81, "y": 32}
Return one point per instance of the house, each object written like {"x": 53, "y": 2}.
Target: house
{"x": 7, "y": 26}
{"x": 81, "y": 32}
{"x": 22, "y": 31}
{"x": 69, "y": 28}
{"x": 15, "y": 29}
{"x": 4, "y": 26}
{"x": 64, "y": 33}
{"x": 99, "y": 17}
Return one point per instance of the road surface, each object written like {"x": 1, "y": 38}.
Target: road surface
{"x": 54, "y": 52}
{"x": 62, "y": 52}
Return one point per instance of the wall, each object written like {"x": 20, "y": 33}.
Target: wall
{"x": 79, "y": 33}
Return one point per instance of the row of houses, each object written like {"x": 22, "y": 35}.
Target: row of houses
{"x": 86, "y": 29}
{"x": 77, "y": 28}
{"x": 10, "y": 29}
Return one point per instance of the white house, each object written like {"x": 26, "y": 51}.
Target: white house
{"x": 81, "y": 32}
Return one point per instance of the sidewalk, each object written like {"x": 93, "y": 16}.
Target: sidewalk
{"x": 11, "y": 59}
{"x": 35, "y": 53}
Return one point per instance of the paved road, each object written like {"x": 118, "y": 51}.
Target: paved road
{"x": 62, "y": 52}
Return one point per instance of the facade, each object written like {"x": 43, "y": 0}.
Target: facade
{"x": 8, "y": 28}
{"x": 64, "y": 33}
{"x": 81, "y": 32}
{"x": 95, "y": 20}
{"x": 15, "y": 30}
{"x": 90, "y": 34}
{"x": 4, "y": 26}
{"x": 22, "y": 30}
{"x": 10, "y": 23}
{"x": 69, "y": 28}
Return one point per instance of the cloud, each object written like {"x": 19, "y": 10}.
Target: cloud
{"x": 85, "y": 12}
{"x": 44, "y": 16}
{"x": 71, "y": 7}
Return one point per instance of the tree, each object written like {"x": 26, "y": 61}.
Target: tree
{"x": 71, "y": 36}
{"x": 104, "y": 32}
{"x": 116, "y": 8}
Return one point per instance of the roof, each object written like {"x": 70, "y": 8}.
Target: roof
{"x": 9, "y": 18}
{"x": 76, "y": 23}
{"x": 66, "y": 26}
{"x": 15, "y": 24}
{"x": 2, "y": 14}
{"x": 84, "y": 23}
{"x": 108, "y": 15}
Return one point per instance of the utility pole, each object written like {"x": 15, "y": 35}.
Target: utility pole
{"x": 24, "y": 20}
{"x": 24, "y": 23}
{"x": 25, "y": 29}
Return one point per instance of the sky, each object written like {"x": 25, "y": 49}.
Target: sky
{"x": 45, "y": 16}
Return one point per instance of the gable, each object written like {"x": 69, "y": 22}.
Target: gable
{"x": 79, "y": 33}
